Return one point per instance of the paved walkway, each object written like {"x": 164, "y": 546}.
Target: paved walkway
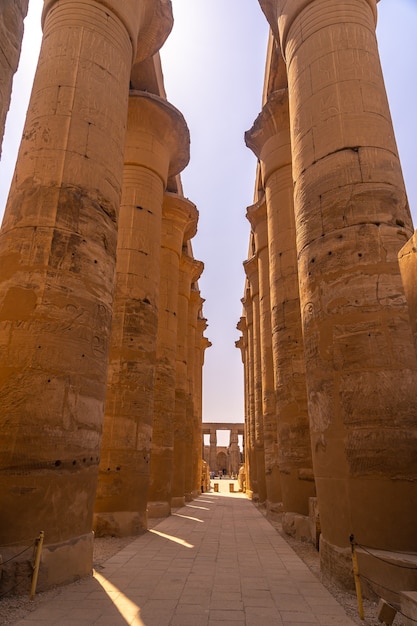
{"x": 215, "y": 562}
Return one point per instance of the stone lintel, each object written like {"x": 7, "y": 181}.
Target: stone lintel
{"x": 209, "y": 427}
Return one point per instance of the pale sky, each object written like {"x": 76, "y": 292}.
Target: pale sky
{"x": 213, "y": 64}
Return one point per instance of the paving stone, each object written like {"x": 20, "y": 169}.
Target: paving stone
{"x": 255, "y": 580}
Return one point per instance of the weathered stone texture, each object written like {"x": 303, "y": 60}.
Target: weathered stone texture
{"x": 12, "y": 14}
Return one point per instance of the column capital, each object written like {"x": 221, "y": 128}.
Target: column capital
{"x": 256, "y": 213}
{"x": 148, "y": 25}
{"x": 242, "y": 325}
{"x": 281, "y": 15}
{"x": 182, "y": 212}
{"x": 192, "y": 267}
{"x": 155, "y": 26}
{"x": 251, "y": 270}
{"x": 169, "y": 150}
{"x": 269, "y": 138}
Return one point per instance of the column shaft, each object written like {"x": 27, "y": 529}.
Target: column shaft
{"x": 190, "y": 269}
{"x": 251, "y": 268}
{"x": 179, "y": 221}
{"x": 257, "y": 215}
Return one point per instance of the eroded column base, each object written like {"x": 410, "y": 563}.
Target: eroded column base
{"x": 61, "y": 563}
{"x": 297, "y": 526}
{"x": 274, "y": 510}
{"x": 158, "y": 509}
{"x": 177, "y": 502}
{"x": 120, "y": 524}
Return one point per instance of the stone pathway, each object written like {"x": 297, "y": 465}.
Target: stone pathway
{"x": 215, "y": 562}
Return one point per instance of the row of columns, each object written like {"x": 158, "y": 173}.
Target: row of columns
{"x": 329, "y": 360}
{"x": 101, "y": 326}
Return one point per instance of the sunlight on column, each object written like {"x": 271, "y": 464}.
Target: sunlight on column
{"x": 182, "y": 542}
{"x": 127, "y": 609}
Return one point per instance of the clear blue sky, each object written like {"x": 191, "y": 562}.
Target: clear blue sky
{"x": 213, "y": 64}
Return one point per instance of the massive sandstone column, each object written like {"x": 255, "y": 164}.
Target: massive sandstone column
{"x": 57, "y": 260}
{"x": 269, "y": 138}
{"x": 192, "y": 483}
{"x": 251, "y": 270}
{"x": 12, "y": 15}
{"x": 213, "y": 450}
{"x": 179, "y": 223}
{"x": 242, "y": 345}
{"x": 246, "y": 325}
{"x": 352, "y": 218}
{"x": 257, "y": 216}
{"x": 157, "y": 146}
{"x": 190, "y": 270}
{"x": 201, "y": 344}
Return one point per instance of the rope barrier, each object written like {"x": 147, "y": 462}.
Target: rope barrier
{"x": 15, "y": 543}
{"x": 413, "y": 567}
{"x": 373, "y": 582}
{"x": 19, "y": 553}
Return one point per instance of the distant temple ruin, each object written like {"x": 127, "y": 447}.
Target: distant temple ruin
{"x": 101, "y": 322}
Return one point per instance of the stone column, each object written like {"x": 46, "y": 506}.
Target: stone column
{"x": 269, "y": 138}
{"x": 202, "y": 343}
{"x": 234, "y": 452}
{"x": 250, "y": 458}
{"x": 194, "y": 368}
{"x": 213, "y": 450}
{"x": 190, "y": 270}
{"x": 352, "y": 218}
{"x": 257, "y": 216}
{"x": 179, "y": 223}
{"x": 194, "y": 305}
{"x": 251, "y": 269}
{"x": 12, "y": 15}
{"x": 57, "y": 261}
{"x": 157, "y": 146}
